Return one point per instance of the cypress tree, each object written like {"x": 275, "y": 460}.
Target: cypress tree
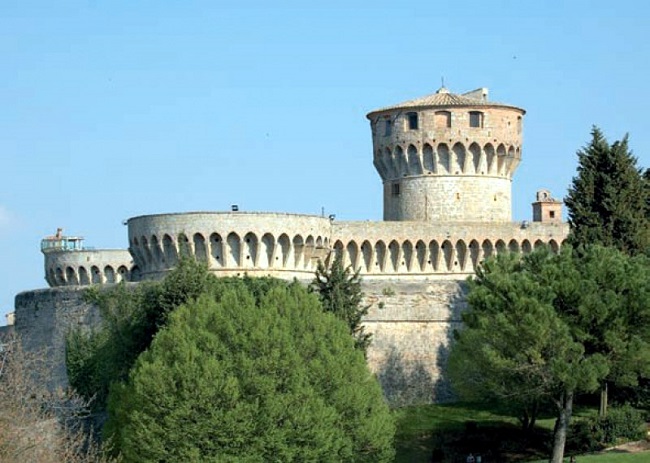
{"x": 608, "y": 199}
{"x": 340, "y": 293}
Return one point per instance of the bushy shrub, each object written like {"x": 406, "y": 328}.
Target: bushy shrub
{"x": 624, "y": 423}
{"x": 621, "y": 424}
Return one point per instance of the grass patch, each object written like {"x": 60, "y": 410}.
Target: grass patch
{"x": 548, "y": 422}
{"x": 449, "y": 432}
{"x": 609, "y": 457}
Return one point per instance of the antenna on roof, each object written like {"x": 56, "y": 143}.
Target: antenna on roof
{"x": 442, "y": 81}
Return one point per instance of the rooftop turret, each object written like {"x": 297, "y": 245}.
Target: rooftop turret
{"x": 59, "y": 242}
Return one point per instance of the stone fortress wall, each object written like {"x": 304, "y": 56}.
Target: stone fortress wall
{"x": 417, "y": 250}
{"x": 232, "y": 243}
{"x": 290, "y": 245}
{"x": 89, "y": 266}
{"x": 446, "y": 162}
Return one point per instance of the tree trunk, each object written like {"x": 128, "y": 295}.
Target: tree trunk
{"x": 529, "y": 416}
{"x": 602, "y": 412}
{"x": 533, "y": 415}
{"x": 565, "y": 408}
{"x": 524, "y": 419}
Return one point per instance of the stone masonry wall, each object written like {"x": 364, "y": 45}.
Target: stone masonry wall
{"x": 231, "y": 243}
{"x": 449, "y": 199}
{"x": 412, "y": 325}
{"x": 44, "y": 317}
{"x": 88, "y": 266}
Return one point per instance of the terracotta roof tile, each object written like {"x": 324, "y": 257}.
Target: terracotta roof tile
{"x": 442, "y": 98}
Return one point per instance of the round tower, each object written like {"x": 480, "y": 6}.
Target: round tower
{"x": 69, "y": 263}
{"x": 447, "y": 157}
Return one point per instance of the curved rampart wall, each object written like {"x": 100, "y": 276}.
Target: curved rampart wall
{"x": 423, "y": 250}
{"x": 287, "y": 246}
{"x": 275, "y": 244}
{"x": 85, "y": 267}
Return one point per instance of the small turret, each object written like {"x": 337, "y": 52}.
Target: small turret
{"x": 546, "y": 208}
{"x": 58, "y": 242}
{"x": 69, "y": 263}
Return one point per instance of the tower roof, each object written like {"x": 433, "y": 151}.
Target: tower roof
{"x": 444, "y": 98}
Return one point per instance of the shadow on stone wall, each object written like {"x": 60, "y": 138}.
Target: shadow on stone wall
{"x": 406, "y": 377}
{"x": 442, "y": 386}
{"x": 405, "y": 383}
{"x": 443, "y": 391}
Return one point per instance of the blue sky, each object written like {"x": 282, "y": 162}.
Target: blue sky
{"x": 117, "y": 109}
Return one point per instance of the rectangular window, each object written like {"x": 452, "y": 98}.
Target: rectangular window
{"x": 442, "y": 119}
{"x": 475, "y": 119}
{"x": 551, "y": 214}
{"x": 412, "y": 121}
{"x": 395, "y": 189}
{"x": 388, "y": 128}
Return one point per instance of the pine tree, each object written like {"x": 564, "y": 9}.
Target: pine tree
{"x": 234, "y": 379}
{"x": 340, "y": 293}
{"x": 608, "y": 199}
{"x": 546, "y": 326}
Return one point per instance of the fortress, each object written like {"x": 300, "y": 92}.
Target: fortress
{"x": 446, "y": 162}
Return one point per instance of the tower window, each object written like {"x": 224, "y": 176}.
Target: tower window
{"x": 412, "y": 119}
{"x": 388, "y": 128}
{"x": 395, "y": 189}
{"x": 551, "y": 214}
{"x": 442, "y": 119}
{"x": 476, "y": 119}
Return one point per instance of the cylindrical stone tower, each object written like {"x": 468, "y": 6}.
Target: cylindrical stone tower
{"x": 447, "y": 157}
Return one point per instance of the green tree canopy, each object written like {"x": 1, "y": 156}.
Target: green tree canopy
{"x": 543, "y": 327}
{"x": 340, "y": 293}
{"x": 131, "y": 315}
{"x": 235, "y": 379}
{"x": 608, "y": 201}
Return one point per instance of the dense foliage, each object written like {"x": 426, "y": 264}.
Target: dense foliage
{"x": 621, "y": 423}
{"x": 131, "y": 316}
{"x": 609, "y": 199}
{"x": 546, "y": 326}
{"x": 232, "y": 377}
{"x": 340, "y": 293}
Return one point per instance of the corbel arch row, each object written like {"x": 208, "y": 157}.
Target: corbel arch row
{"x": 225, "y": 250}
{"x": 453, "y": 158}
{"x": 427, "y": 255}
{"x": 82, "y": 275}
